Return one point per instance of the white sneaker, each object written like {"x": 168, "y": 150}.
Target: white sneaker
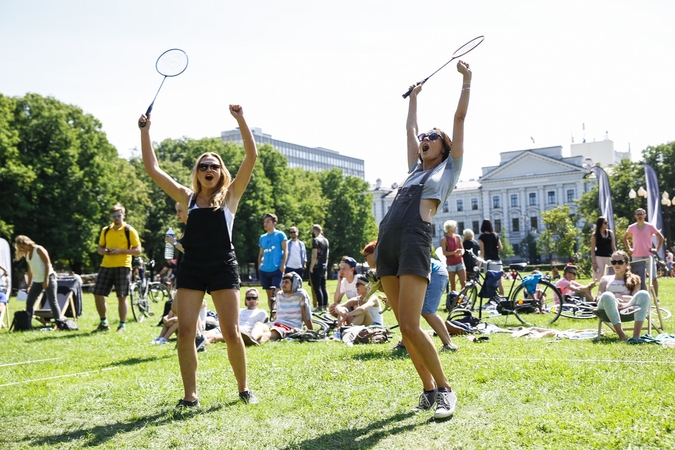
{"x": 155, "y": 341}
{"x": 162, "y": 341}
{"x": 445, "y": 404}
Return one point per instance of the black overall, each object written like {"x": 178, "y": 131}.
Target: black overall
{"x": 209, "y": 261}
{"x": 404, "y": 240}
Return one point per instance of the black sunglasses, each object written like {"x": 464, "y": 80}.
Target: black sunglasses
{"x": 251, "y": 298}
{"x": 621, "y": 262}
{"x": 203, "y": 167}
{"x": 431, "y": 136}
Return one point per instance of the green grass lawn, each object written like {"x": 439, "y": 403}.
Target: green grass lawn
{"x": 75, "y": 389}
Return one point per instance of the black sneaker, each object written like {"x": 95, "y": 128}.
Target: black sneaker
{"x": 445, "y": 404}
{"x": 426, "y": 401}
{"x": 248, "y": 397}
{"x": 102, "y": 327}
{"x": 182, "y": 403}
{"x": 200, "y": 343}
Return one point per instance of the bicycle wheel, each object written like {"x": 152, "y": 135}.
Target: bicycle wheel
{"x": 665, "y": 314}
{"x": 467, "y": 298}
{"x": 138, "y": 304}
{"x": 320, "y": 325}
{"x": 577, "y": 308}
{"x": 158, "y": 293}
{"x": 546, "y": 293}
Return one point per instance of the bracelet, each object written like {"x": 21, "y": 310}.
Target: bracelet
{"x": 466, "y": 89}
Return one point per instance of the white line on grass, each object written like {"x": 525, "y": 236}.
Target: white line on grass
{"x": 631, "y": 361}
{"x": 55, "y": 377}
{"x": 27, "y": 362}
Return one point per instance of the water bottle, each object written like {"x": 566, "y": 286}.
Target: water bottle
{"x": 168, "y": 248}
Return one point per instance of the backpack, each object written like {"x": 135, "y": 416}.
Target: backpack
{"x": 22, "y": 322}
{"x": 127, "y": 231}
{"x": 373, "y": 335}
{"x": 306, "y": 335}
{"x": 66, "y": 325}
{"x": 451, "y": 301}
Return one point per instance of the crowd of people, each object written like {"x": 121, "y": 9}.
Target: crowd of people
{"x": 412, "y": 281}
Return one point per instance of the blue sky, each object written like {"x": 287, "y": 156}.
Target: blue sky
{"x": 331, "y": 74}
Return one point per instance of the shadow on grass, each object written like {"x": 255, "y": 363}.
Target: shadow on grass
{"x": 367, "y": 436}
{"x": 139, "y": 360}
{"x": 100, "y": 434}
{"x": 51, "y": 335}
{"x": 377, "y": 355}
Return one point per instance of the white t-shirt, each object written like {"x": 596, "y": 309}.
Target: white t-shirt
{"x": 249, "y": 317}
{"x": 349, "y": 289}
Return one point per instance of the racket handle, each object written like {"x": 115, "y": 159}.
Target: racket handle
{"x": 407, "y": 93}
{"x": 147, "y": 113}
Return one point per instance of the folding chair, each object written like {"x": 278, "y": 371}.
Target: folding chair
{"x": 64, "y": 298}
{"x": 629, "y": 316}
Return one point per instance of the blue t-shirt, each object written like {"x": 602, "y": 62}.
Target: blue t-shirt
{"x": 272, "y": 251}
{"x": 437, "y": 266}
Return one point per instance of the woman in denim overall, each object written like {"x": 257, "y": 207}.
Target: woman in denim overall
{"x": 402, "y": 253}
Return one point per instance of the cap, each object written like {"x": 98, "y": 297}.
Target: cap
{"x": 349, "y": 260}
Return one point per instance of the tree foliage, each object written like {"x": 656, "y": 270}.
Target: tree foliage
{"x": 59, "y": 176}
{"x": 560, "y": 235}
{"x": 507, "y": 248}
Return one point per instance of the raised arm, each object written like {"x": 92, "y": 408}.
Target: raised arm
{"x": 175, "y": 190}
{"x": 238, "y": 185}
{"x": 460, "y": 114}
{"x": 411, "y": 125}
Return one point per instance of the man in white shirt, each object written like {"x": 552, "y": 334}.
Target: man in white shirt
{"x": 346, "y": 282}
{"x": 297, "y": 253}
{"x": 252, "y": 320}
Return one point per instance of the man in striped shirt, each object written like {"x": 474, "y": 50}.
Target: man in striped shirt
{"x": 292, "y": 307}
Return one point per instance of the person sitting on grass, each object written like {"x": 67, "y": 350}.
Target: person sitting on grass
{"x": 292, "y": 306}
{"x": 252, "y": 320}
{"x": 169, "y": 326}
{"x": 568, "y": 286}
{"x": 360, "y": 310}
{"x": 621, "y": 290}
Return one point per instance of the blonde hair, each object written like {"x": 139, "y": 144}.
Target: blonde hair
{"x": 217, "y": 197}
{"x": 449, "y": 224}
{"x": 468, "y": 233}
{"x": 22, "y": 240}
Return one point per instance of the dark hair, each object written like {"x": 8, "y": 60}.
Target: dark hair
{"x": 598, "y": 226}
{"x": 274, "y": 217}
{"x": 570, "y": 268}
{"x": 362, "y": 279}
{"x": 486, "y": 226}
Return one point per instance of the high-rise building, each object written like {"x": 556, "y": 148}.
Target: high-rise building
{"x": 315, "y": 159}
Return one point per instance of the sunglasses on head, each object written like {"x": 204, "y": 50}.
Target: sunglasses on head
{"x": 116, "y": 216}
{"x": 573, "y": 273}
{"x": 203, "y": 167}
{"x": 251, "y": 298}
{"x": 620, "y": 262}
{"x": 431, "y": 136}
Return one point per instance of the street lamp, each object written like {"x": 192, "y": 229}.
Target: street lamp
{"x": 666, "y": 202}
{"x": 641, "y": 192}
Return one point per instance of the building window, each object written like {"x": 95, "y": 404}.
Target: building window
{"x": 474, "y": 204}
{"x": 534, "y": 224}
{"x": 551, "y": 197}
{"x": 533, "y": 199}
{"x": 515, "y": 224}
{"x": 496, "y": 202}
{"x": 570, "y": 195}
{"x": 474, "y": 227}
{"x": 498, "y": 225}
{"x": 516, "y": 249}
{"x": 460, "y": 205}
{"x": 514, "y": 200}
{"x": 460, "y": 227}
{"x": 445, "y": 207}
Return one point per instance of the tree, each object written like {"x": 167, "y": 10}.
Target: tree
{"x": 507, "y": 249}
{"x": 59, "y": 177}
{"x": 349, "y": 222}
{"x": 560, "y": 235}
{"x": 528, "y": 248}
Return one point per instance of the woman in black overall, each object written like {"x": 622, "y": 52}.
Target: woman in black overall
{"x": 402, "y": 253}
{"x": 209, "y": 262}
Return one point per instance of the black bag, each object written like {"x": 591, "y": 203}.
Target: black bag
{"x": 66, "y": 325}
{"x": 22, "y": 322}
{"x": 451, "y": 301}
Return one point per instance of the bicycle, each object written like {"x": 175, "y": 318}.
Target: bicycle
{"x": 525, "y": 296}
{"x": 144, "y": 292}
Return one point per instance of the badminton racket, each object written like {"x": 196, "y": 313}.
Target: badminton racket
{"x": 171, "y": 63}
{"x": 463, "y": 50}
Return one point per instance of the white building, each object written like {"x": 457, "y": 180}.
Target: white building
{"x": 512, "y": 194}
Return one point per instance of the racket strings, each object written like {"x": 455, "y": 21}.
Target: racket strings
{"x": 172, "y": 63}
